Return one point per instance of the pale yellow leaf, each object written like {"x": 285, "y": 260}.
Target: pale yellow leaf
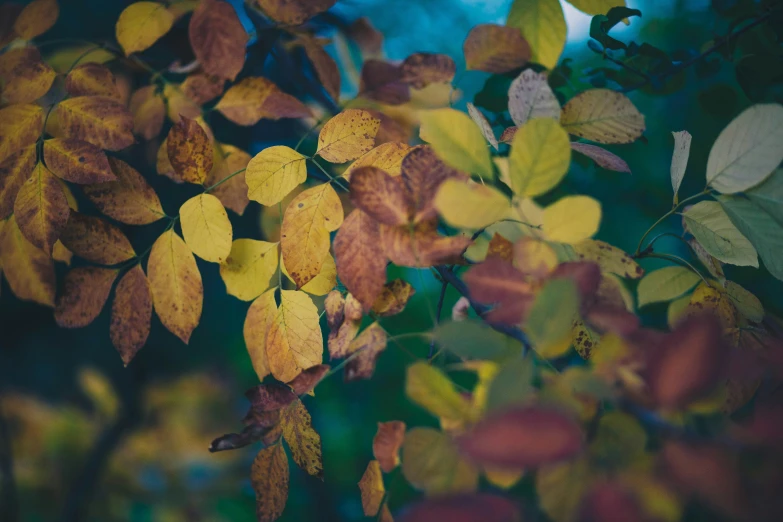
{"x": 347, "y": 136}
{"x": 572, "y": 219}
{"x": 249, "y": 267}
{"x": 206, "y": 228}
{"x": 141, "y": 24}
{"x": 539, "y": 158}
{"x": 294, "y": 341}
{"x": 603, "y": 116}
{"x": 543, "y": 25}
{"x": 470, "y": 205}
{"x": 259, "y": 317}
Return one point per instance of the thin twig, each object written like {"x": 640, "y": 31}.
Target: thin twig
{"x": 444, "y": 285}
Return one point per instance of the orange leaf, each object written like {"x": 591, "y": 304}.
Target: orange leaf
{"x": 422, "y": 246}
{"x": 131, "y": 313}
{"x": 422, "y": 69}
{"x": 387, "y": 443}
{"x": 129, "y": 199}
{"x": 380, "y": 196}
{"x": 256, "y": 98}
{"x": 495, "y": 49}
{"x": 361, "y": 263}
{"x": 77, "y": 161}
{"x": 189, "y": 150}
{"x": 423, "y": 172}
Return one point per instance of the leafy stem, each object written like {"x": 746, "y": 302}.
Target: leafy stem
{"x": 674, "y": 209}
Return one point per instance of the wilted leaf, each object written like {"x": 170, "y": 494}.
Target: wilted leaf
{"x": 361, "y": 262}
{"x": 293, "y": 341}
{"x": 294, "y": 12}
{"x": 572, "y": 219}
{"x": 539, "y": 158}
{"x": 543, "y": 25}
{"x": 602, "y": 157}
{"x": 430, "y": 462}
{"x": 457, "y": 141}
{"x": 422, "y": 69}
{"x": 129, "y": 199}
{"x": 611, "y": 259}
{"x": 149, "y": 111}
{"x": 665, "y": 284}
{"x": 382, "y": 82}
{"x": 256, "y": 98}
{"x": 423, "y": 172}
{"x": 177, "y": 291}
{"x": 141, "y": 24}
{"x": 77, "y": 161}
{"x": 393, "y": 298}
{"x": 96, "y": 240}
{"x": 713, "y": 229}
{"x": 495, "y": 49}
{"x": 14, "y": 171}
{"x": 249, "y": 267}
{"x": 682, "y": 150}
{"x": 387, "y": 443}
{"x": 466, "y": 205}
{"x": 387, "y": 157}
{"x": 431, "y": 389}
{"x": 189, "y": 151}
{"x": 604, "y": 116}
{"x": 131, "y": 313}
{"x": 421, "y": 246}
{"x": 381, "y": 196}
{"x": 20, "y": 126}
{"x": 269, "y": 476}
{"x": 41, "y": 209}
{"x": 92, "y": 79}
{"x": 85, "y": 291}
{"x": 99, "y": 120}
{"x": 206, "y": 228}
{"x": 747, "y": 150}
{"x": 36, "y": 18}
{"x": 347, "y": 136}
{"x": 218, "y": 38}
{"x": 304, "y": 441}
{"x": 372, "y": 490}
{"x": 530, "y": 97}
{"x": 28, "y": 270}
{"x": 24, "y": 76}
{"x": 259, "y": 318}
{"x": 370, "y": 343}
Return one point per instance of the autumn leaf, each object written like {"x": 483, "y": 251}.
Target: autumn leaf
{"x": 77, "y": 161}
{"x": 610, "y": 258}
{"x": 347, "y": 136}
{"x": 381, "y": 81}
{"x": 596, "y": 7}
{"x": 142, "y": 24}
{"x": 131, "y": 313}
{"x": 387, "y": 443}
{"x": 423, "y": 173}
{"x": 423, "y": 69}
{"x": 92, "y": 79}
{"x": 269, "y": 476}
{"x": 96, "y": 240}
{"x": 486, "y": 204}
{"x": 304, "y": 441}
{"x": 206, "y": 228}
{"x": 256, "y": 98}
{"x": 36, "y": 18}
{"x": 530, "y": 97}
{"x": 372, "y": 489}
{"x": 227, "y": 177}
{"x": 361, "y": 262}
{"x": 322, "y": 283}
{"x": 249, "y": 267}
{"x": 273, "y": 173}
{"x": 572, "y": 219}
{"x": 98, "y": 120}
{"x": 393, "y": 298}
{"x": 189, "y": 151}
{"x": 177, "y": 291}
{"x": 20, "y": 126}
{"x": 259, "y": 317}
{"x": 486, "y": 129}
{"x": 388, "y": 157}
{"x": 495, "y": 49}
{"x": 543, "y": 25}
{"x": 148, "y": 110}
{"x": 294, "y": 12}
{"x": 380, "y": 196}
{"x": 420, "y": 246}
{"x": 14, "y": 171}
{"x": 293, "y": 341}
{"x": 24, "y": 76}
{"x": 539, "y": 158}
{"x": 129, "y": 199}
{"x": 497, "y": 282}
{"x": 431, "y": 389}
{"x": 28, "y": 270}
{"x": 457, "y": 141}
{"x": 344, "y": 319}
{"x": 365, "y": 349}
{"x": 218, "y": 38}
{"x": 603, "y": 116}
{"x": 325, "y": 67}
{"x": 85, "y": 291}
{"x": 602, "y": 157}
{"x": 307, "y": 222}
{"x": 430, "y": 462}
{"x": 41, "y": 209}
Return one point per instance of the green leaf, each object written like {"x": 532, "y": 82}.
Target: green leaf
{"x": 769, "y": 195}
{"x": 747, "y": 150}
{"x": 713, "y": 229}
{"x": 470, "y": 339}
{"x": 543, "y": 25}
{"x": 665, "y": 284}
{"x": 756, "y": 224}
{"x": 513, "y": 384}
{"x": 551, "y": 317}
{"x": 457, "y": 140}
{"x": 539, "y": 158}
{"x": 430, "y": 462}
{"x": 747, "y": 303}
{"x": 428, "y": 387}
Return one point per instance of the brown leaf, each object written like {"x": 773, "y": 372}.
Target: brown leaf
{"x": 20, "y": 126}
{"x": 269, "y": 476}
{"x": 28, "y": 270}
{"x": 92, "y": 79}
{"x": 294, "y": 12}
{"x": 41, "y": 208}
{"x": 306, "y": 381}
{"x": 149, "y": 111}
{"x": 131, "y": 313}
{"x": 202, "y": 88}
{"x": 367, "y": 37}
{"x": 393, "y": 298}
{"x": 218, "y": 38}
{"x": 522, "y": 438}
{"x": 387, "y": 443}
{"x": 507, "y": 136}
{"x": 304, "y": 441}
{"x": 325, "y": 67}
{"x": 382, "y": 82}
{"x": 422, "y": 69}
{"x": 14, "y": 171}
{"x": 361, "y": 263}
{"x": 96, "y": 240}
{"x": 602, "y": 157}
{"x": 501, "y": 248}
{"x": 497, "y": 282}
{"x": 387, "y": 157}
{"x": 475, "y": 507}
{"x": 233, "y": 192}
{"x": 77, "y": 161}
{"x": 369, "y": 345}
{"x": 189, "y": 150}
{"x": 341, "y": 336}
{"x": 24, "y": 77}
{"x": 495, "y": 49}
{"x": 390, "y": 129}
{"x": 423, "y": 172}
{"x": 422, "y": 246}
{"x": 380, "y": 196}
{"x": 99, "y": 120}
{"x": 36, "y": 18}
{"x": 585, "y": 274}
{"x": 129, "y": 199}
{"x": 256, "y": 98}
{"x": 334, "y": 306}
{"x": 85, "y": 291}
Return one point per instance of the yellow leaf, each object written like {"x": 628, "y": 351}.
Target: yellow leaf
{"x": 470, "y": 205}
{"x": 269, "y": 476}
{"x": 41, "y": 208}
{"x": 61, "y": 254}
{"x": 294, "y": 342}
{"x": 457, "y": 141}
{"x": 326, "y": 279}
{"x": 249, "y": 267}
{"x": 129, "y": 199}
{"x": 560, "y": 489}
{"x": 604, "y": 116}
{"x": 257, "y": 322}
{"x": 584, "y": 339}
{"x": 273, "y": 173}
{"x": 85, "y": 291}
{"x": 572, "y": 219}
{"x": 254, "y": 99}
{"x": 665, "y": 284}
{"x": 20, "y": 126}
{"x": 387, "y": 157}
{"x": 189, "y": 150}
{"x": 372, "y": 489}
{"x": 92, "y": 79}
{"x": 539, "y": 158}
{"x": 428, "y": 387}
{"x": 149, "y": 111}
{"x": 131, "y": 313}
{"x": 14, "y": 171}
{"x": 177, "y": 291}
{"x": 36, "y": 18}
{"x": 24, "y": 77}
{"x": 232, "y": 187}
{"x": 393, "y": 298}
{"x": 502, "y": 478}
{"x": 28, "y": 270}
{"x": 596, "y": 7}
{"x": 77, "y": 161}
{"x": 307, "y": 222}
{"x": 304, "y": 441}
{"x": 96, "y": 240}
{"x": 543, "y": 25}
{"x": 706, "y": 299}
{"x": 347, "y": 136}
{"x": 431, "y": 463}
{"x": 535, "y": 257}
{"x": 206, "y": 228}
{"x": 745, "y": 302}
{"x": 142, "y": 24}
{"x": 99, "y": 120}
{"x": 611, "y": 259}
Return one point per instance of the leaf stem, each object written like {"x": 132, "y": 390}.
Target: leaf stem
{"x": 332, "y": 179}
{"x": 663, "y": 217}
{"x": 679, "y": 261}
{"x": 238, "y": 172}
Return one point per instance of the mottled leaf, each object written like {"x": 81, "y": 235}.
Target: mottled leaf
{"x": 85, "y": 291}
{"x": 131, "y": 313}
